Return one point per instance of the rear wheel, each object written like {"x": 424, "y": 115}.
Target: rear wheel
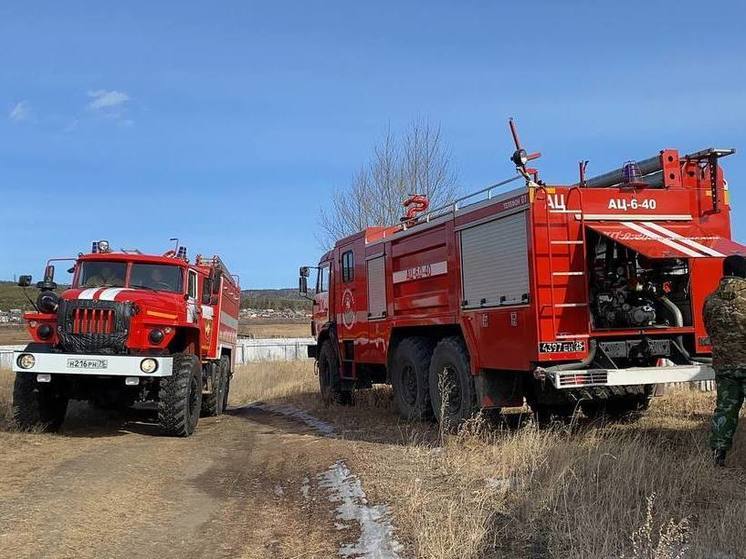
{"x": 409, "y": 377}
{"x": 180, "y": 397}
{"x": 213, "y": 403}
{"x": 38, "y": 405}
{"x": 451, "y": 384}
{"x": 329, "y": 381}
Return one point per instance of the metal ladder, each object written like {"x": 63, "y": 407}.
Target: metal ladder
{"x": 573, "y": 274}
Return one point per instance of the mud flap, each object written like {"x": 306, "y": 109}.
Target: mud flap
{"x": 499, "y": 389}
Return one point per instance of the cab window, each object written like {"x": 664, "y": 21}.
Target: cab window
{"x": 158, "y": 277}
{"x": 348, "y": 266}
{"x": 192, "y": 291}
{"x": 322, "y": 281}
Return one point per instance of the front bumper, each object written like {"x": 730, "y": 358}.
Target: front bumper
{"x": 92, "y": 365}
{"x": 582, "y": 378}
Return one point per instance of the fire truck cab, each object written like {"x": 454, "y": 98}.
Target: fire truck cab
{"x": 562, "y": 296}
{"x": 131, "y": 328}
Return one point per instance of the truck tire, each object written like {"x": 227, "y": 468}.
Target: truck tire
{"x": 180, "y": 397}
{"x": 225, "y": 361}
{"x": 37, "y": 406}
{"x": 213, "y": 403}
{"x": 330, "y": 384}
{"x": 450, "y": 372}
{"x": 410, "y": 371}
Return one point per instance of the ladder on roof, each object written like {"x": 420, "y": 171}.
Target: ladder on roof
{"x": 567, "y": 259}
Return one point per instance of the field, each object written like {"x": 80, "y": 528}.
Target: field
{"x": 274, "y": 329}
{"x": 644, "y": 489}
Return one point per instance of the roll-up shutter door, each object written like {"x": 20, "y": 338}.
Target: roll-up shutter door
{"x": 495, "y": 262}
{"x": 377, "y": 287}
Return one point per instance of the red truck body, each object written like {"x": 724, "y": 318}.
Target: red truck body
{"x": 128, "y": 326}
{"x": 548, "y": 287}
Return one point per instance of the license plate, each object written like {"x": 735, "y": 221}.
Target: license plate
{"x": 562, "y": 347}
{"x": 87, "y": 364}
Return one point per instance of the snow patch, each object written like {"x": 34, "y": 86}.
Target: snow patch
{"x": 376, "y": 531}
{"x": 291, "y": 411}
{"x": 305, "y": 489}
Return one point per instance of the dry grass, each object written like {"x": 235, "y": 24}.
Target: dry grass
{"x": 645, "y": 489}
{"x": 13, "y": 335}
{"x": 6, "y": 399}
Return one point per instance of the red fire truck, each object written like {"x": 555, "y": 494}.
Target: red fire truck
{"x": 586, "y": 295}
{"x": 132, "y": 328}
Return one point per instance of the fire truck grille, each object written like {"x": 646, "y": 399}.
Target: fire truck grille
{"x": 88, "y": 326}
{"x": 571, "y": 379}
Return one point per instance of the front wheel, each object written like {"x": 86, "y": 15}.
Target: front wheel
{"x": 37, "y": 405}
{"x": 330, "y": 384}
{"x": 180, "y": 397}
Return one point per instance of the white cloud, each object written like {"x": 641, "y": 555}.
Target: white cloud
{"x": 103, "y": 99}
{"x": 20, "y": 111}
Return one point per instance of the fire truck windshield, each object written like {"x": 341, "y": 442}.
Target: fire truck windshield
{"x": 159, "y": 277}
{"x": 155, "y": 277}
{"x": 102, "y": 274}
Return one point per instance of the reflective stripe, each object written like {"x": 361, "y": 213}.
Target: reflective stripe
{"x": 692, "y": 243}
{"x": 88, "y": 293}
{"x": 665, "y": 240}
{"x": 111, "y": 293}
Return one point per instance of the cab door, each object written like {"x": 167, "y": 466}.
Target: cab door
{"x": 207, "y": 313}
{"x": 320, "y": 313}
{"x": 351, "y": 302}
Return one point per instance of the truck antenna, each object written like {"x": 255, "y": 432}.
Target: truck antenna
{"x": 176, "y": 240}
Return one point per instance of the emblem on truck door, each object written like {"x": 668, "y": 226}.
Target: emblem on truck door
{"x": 348, "y": 309}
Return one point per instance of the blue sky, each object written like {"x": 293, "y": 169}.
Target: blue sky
{"x": 228, "y": 124}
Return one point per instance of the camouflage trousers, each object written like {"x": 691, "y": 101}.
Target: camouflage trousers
{"x": 731, "y": 390}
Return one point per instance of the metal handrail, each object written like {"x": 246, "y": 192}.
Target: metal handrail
{"x": 456, "y": 204}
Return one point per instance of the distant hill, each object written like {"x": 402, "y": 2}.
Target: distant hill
{"x": 11, "y": 297}
{"x": 277, "y": 299}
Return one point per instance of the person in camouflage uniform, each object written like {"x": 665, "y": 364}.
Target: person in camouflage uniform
{"x": 725, "y": 320}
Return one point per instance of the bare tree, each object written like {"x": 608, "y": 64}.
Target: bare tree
{"x": 418, "y": 162}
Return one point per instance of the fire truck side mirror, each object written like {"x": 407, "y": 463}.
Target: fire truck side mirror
{"x": 305, "y": 271}
{"x": 24, "y": 281}
{"x": 303, "y": 285}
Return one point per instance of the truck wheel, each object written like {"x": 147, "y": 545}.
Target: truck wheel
{"x": 409, "y": 377}
{"x": 213, "y": 403}
{"x": 329, "y": 381}
{"x": 451, "y": 384}
{"x": 226, "y": 363}
{"x": 37, "y": 406}
{"x": 180, "y": 397}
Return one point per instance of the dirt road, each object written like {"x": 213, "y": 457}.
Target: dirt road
{"x": 249, "y": 484}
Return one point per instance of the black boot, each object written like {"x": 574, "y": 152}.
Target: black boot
{"x": 719, "y": 456}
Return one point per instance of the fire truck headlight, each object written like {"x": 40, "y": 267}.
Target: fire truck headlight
{"x": 148, "y": 366}
{"x": 156, "y": 336}
{"x": 26, "y": 361}
{"x": 44, "y": 331}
